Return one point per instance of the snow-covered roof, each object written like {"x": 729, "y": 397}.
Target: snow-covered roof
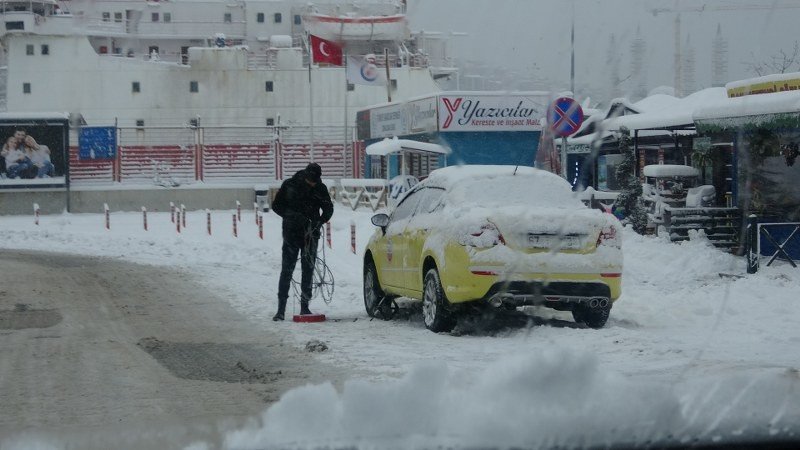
{"x": 669, "y": 170}
{"x": 45, "y": 115}
{"x": 665, "y": 111}
{"x": 395, "y": 145}
{"x": 751, "y": 106}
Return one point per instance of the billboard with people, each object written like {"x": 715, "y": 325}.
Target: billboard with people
{"x": 33, "y": 152}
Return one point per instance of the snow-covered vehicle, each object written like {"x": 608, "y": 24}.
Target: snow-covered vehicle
{"x": 675, "y": 186}
{"x": 504, "y": 235}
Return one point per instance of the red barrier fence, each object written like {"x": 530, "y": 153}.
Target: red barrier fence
{"x": 172, "y": 156}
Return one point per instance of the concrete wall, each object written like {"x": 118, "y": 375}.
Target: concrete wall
{"x": 54, "y": 201}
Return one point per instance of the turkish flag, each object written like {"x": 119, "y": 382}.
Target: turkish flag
{"x": 324, "y": 51}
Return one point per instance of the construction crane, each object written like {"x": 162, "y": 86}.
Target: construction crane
{"x": 710, "y": 7}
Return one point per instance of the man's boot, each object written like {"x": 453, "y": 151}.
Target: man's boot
{"x": 304, "y": 311}
{"x": 281, "y": 310}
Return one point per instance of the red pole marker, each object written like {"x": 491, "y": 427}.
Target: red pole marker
{"x": 178, "y": 221}
{"x": 238, "y": 210}
{"x": 235, "y": 228}
{"x": 208, "y": 221}
{"x": 353, "y": 236}
{"x": 108, "y": 216}
{"x": 36, "y": 213}
{"x": 183, "y": 216}
{"x": 172, "y": 212}
{"x": 328, "y": 233}
{"x": 144, "y": 217}
{"x": 260, "y": 227}
{"x": 255, "y": 210}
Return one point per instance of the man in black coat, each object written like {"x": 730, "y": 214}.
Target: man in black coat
{"x": 299, "y": 202}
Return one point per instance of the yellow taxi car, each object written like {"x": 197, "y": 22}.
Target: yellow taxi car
{"x": 503, "y": 235}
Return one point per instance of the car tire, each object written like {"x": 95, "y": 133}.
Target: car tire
{"x": 593, "y": 317}
{"x": 435, "y": 308}
{"x": 373, "y": 294}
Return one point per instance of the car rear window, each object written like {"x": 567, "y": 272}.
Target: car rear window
{"x": 525, "y": 190}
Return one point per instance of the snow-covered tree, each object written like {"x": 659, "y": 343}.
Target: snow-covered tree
{"x": 638, "y": 67}
{"x": 629, "y": 199}
{"x": 719, "y": 59}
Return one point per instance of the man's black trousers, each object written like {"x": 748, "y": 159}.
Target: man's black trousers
{"x": 308, "y": 256}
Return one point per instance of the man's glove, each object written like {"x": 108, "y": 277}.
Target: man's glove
{"x": 315, "y": 228}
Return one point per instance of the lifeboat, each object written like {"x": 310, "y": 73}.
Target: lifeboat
{"x": 342, "y": 28}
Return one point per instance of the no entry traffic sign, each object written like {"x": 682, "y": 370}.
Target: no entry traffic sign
{"x": 565, "y": 116}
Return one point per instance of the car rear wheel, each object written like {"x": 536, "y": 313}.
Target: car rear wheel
{"x": 593, "y": 317}
{"x": 435, "y": 308}
{"x": 373, "y": 294}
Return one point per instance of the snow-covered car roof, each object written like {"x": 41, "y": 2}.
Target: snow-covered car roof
{"x": 479, "y": 184}
{"x": 670, "y": 170}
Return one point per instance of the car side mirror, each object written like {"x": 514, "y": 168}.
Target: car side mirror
{"x": 381, "y": 220}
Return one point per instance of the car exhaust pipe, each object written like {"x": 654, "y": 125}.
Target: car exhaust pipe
{"x": 598, "y": 302}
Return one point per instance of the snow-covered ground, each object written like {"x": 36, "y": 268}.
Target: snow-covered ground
{"x": 695, "y": 347}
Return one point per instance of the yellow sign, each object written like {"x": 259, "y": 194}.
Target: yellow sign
{"x": 765, "y": 87}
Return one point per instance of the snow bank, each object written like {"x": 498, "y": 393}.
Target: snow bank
{"x": 550, "y": 397}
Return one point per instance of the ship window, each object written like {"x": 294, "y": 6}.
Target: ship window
{"x": 26, "y": 88}
{"x": 16, "y": 25}
{"x": 154, "y": 17}
{"x": 260, "y": 17}
{"x": 140, "y": 123}
{"x": 394, "y": 84}
{"x": 278, "y": 18}
{"x": 270, "y": 122}
{"x": 268, "y": 86}
{"x": 106, "y": 17}
{"x": 297, "y": 19}
{"x": 227, "y": 18}
{"x": 351, "y": 87}
{"x": 194, "y": 87}
{"x": 167, "y": 17}
{"x": 118, "y": 17}
{"x": 29, "y": 49}
{"x": 136, "y": 87}
{"x": 45, "y": 49}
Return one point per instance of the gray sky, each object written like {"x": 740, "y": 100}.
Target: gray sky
{"x": 515, "y": 34}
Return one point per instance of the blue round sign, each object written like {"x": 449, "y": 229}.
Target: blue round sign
{"x": 565, "y": 116}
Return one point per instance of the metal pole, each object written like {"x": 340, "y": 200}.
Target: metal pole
{"x": 310, "y": 96}
{"x": 564, "y": 157}
{"x": 572, "y": 53}
{"x": 388, "y": 78}
{"x": 346, "y": 86}
{"x": 752, "y": 244}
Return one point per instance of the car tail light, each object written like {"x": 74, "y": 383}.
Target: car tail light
{"x": 608, "y": 236}
{"x": 487, "y": 235}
